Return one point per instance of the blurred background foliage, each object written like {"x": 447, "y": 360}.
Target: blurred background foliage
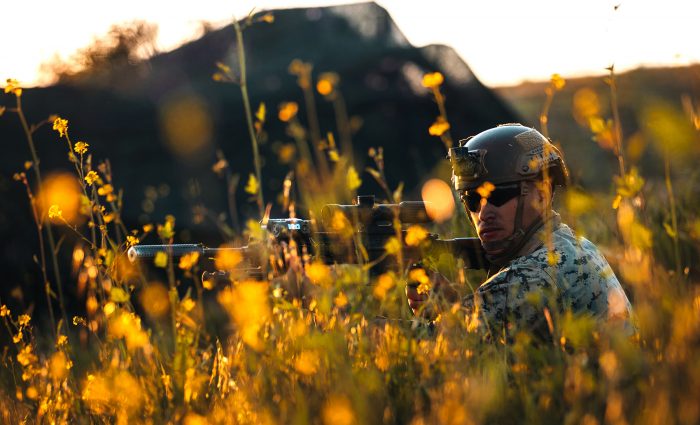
{"x": 166, "y": 142}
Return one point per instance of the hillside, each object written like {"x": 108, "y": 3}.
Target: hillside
{"x": 640, "y": 92}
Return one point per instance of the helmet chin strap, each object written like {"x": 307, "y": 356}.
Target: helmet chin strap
{"x": 511, "y": 245}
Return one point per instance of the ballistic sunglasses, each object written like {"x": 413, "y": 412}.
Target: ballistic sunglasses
{"x": 499, "y": 196}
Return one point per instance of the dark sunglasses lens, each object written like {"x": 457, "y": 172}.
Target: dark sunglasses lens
{"x": 500, "y": 196}
{"x": 497, "y": 197}
{"x": 472, "y": 201}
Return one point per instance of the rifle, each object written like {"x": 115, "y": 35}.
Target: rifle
{"x": 349, "y": 234}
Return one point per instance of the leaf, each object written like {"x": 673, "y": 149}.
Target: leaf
{"x": 398, "y": 193}
{"x": 669, "y": 230}
{"x": 377, "y": 176}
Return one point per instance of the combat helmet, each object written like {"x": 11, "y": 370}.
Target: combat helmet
{"x": 509, "y": 154}
{"x": 506, "y": 154}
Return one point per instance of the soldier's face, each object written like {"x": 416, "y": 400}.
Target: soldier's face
{"x": 496, "y": 223}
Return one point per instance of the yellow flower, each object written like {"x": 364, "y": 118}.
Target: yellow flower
{"x": 419, "y": 275}
{"x": 4, "y": 311}
{"x": 55, "y": 212}
{"x": 227, "y": 259}
{"x": 353, "y": 179}
{"x": 307, "y": 362}
{"x": 118, "y": 295}
{"x": 161, "y": 259}
{"x": 155, "y": 300}
{"x": 286, "y": 153}
{"x": 338, "y": 411}
{"x": 557, "y": 82}
{"x": 188, "y": 261}
{"x": 81, "y": 148}
{"x": 433, "y": 80}
{"x": 131, "y": 240}
{"x": 188, "y": 304}
{"x": 105, "y": 190}
{"x": 261, "y": 112}
{"x": 25, "y": 356}
{"x": 59, "y": 366}
{"x": 14, "y": 87}
{"x": 341, "y": 300}
{"x": 24, "y": 319}
{"x": 287, "y": 111}
{"x": 439, "y": 127}
{"x": 91, "y": 176}
{"x": 128, "y": 326}
{"x": 553, "y": 258}
{"x": 252, "y": 186}
{"x": 61, "y": 341}
{"x": 485, "y": 189}
{"x": 268, "y": 18}
{"x": 167, "y": 230}
{"x": 248, "y": 305}
{"x": 326, "y": 83}
{"x": 415, "y": 235}
{"x": 318, "y": 273}
{"x": 392, "y": 246}
{"x": 385, "y": 282}
{"x": 324, "y": 87}
{"x": 60, "y": 125}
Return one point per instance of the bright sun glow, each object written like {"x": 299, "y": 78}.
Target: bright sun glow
{"x": 504, "y": 42}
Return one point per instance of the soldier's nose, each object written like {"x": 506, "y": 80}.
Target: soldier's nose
{"x": 487, "y": 211}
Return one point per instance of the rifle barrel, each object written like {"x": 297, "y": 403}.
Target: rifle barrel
{"x": 174, "y": 250}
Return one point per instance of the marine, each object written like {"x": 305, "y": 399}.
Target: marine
{"x": 540, "y": 269}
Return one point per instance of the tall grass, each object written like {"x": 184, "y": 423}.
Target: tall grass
{"x": 159, "y": 345}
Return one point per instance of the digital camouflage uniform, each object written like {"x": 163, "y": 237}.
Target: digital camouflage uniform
{"x": 579, "y": 280}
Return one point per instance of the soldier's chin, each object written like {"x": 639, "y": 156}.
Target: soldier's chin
{"x": 494, "y": 247}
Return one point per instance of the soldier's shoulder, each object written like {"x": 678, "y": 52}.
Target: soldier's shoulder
{"x": 529, "y": 267}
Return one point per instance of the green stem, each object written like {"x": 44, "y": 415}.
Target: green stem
{"x": 249, "y": 114}
{"x": 49, "y": 231}
{"x": 544, "y": 115}
{"x": 343, "y": 123}
{"x": 616, "y": 121}
{"x": 312, "y": 116}
{"x": 674, "y": 217}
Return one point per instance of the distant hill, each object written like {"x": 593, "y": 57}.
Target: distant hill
{"x": 638, "y": 90}
{"x": 121, "y": 114}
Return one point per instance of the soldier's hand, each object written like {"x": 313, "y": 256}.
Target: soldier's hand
{"x": 295, "y": 283}
{"x": 416, "y": 300}
{"x": 427, "y": 291}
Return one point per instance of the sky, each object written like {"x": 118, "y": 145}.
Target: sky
{"x": 503, "y": 41}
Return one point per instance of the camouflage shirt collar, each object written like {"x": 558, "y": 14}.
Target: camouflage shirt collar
{"x": 552, "y": 223}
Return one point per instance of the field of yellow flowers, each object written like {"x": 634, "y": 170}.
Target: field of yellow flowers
{"x": 160, "y": 345}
